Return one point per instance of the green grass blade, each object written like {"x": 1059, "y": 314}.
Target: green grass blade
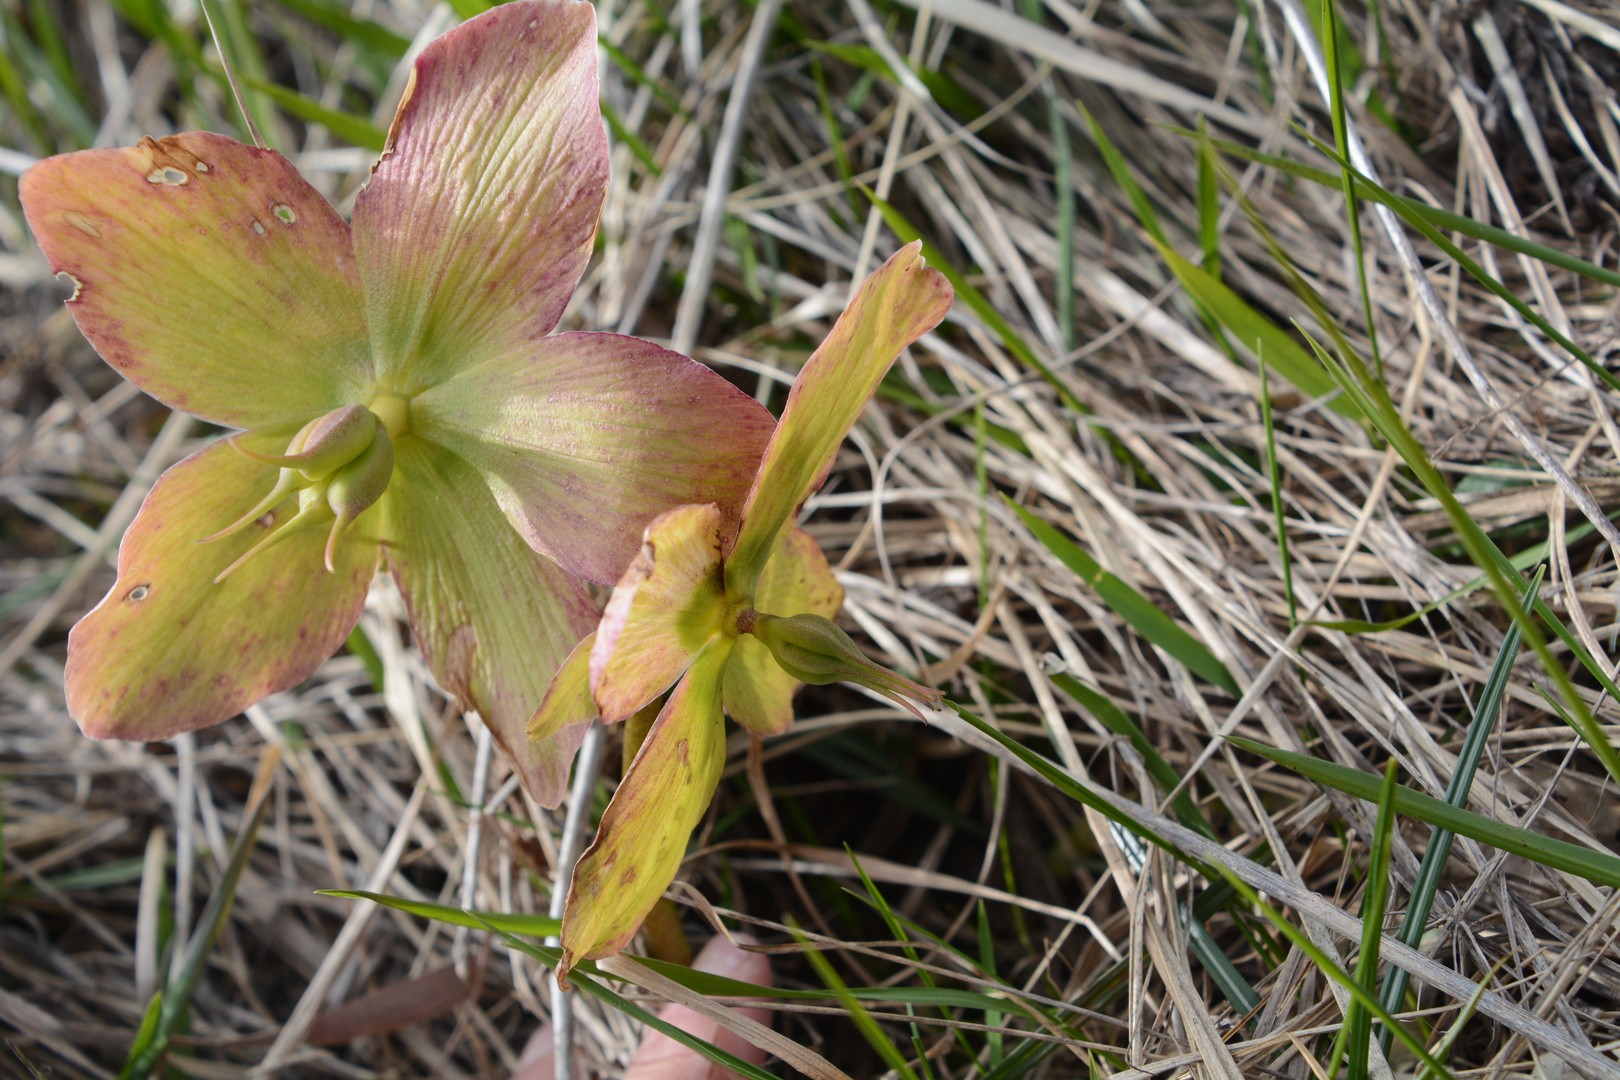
{"x": 533, "y": 925}
{"x": 1285, "y": 355}
{"x": 1433, "y": 215}
{"x": 362, "y": 32}
{"x": 1331, "y": 28}
{"x": 1595, "y": 866}
{"x": 1332, "y": 970}
{"x": 1115, "y": 719}
{"x": 1358, "y": 1024}
{"x": 1374, "y": 400}
{"x": 580, "y": 979}
{"x": 1209, "y": 204}
{"x": 1132, "y": 606}
{"x": 1274, "y": 475}
{"x": 1438, "y": 850}
{"x": 862, "y": 1019}
{"x": 654, "y": 86}
{"x": 622, "y": 132}
{"x": 176, "y": 996}
{"x": 346, "y": 126}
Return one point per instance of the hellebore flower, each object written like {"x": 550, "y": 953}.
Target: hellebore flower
{"x": 401, "y": 374}
{"x": 739, "y": 623}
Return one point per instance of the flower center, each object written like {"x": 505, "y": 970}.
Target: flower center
{"x": 338, "y": 464}
{"x": 393, "y": 411}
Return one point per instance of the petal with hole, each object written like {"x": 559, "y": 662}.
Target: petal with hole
{"x": 902, "y": 300}
{"x": 757, "y": 693}
{"x": 168, "y": 650}
{"x": 209, "y": 273}
{"x": 492, "y": 618}
{"x": 643, "y": 835}
{"x": 481, "y": 213}
{"x": 568, "y": 699}
{"x": 585, "y": 438}
{"x": 667, "y": 607}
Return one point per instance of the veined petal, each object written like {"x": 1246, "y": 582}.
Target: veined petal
{"x": 480, "y": 215}
{"x": 902, "y": 300}
{"x": 667, "y": 607}
{"x": 757, "y": 693}
{"x": 209, "y": 273}
{"x": 568, "y": 699}
{"x": 643, "y": 835}
{"x": 167, "y": 650}
{"x": 585, "y": 438}
{"x": 492, "y": 618}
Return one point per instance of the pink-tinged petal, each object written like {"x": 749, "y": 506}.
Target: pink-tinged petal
{"x": 568, "y": 699}
{"x": 480, "y": 216}
{"x": 493, "y": 619}
{"x": 643, "y": 835}
{"x": 167, "y": 650}
{"x": 758, "y": 694}
{"x": 587, "y": 437}
{"x": 902, "y": 300}
{"x": 667, "y": 607}
{"x": 209, "y": 273}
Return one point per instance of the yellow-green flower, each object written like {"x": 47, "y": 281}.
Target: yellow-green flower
{"x": 704, "y": 613}
{"x": 401, "y": 374}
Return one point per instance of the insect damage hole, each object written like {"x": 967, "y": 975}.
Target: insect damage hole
{"x": 258, "y": 228}
{"x": 284, "y": 213}
{"x": 138, "y": 593}
{"x": 78, "y": 286}
{"x": 168, "y": 174}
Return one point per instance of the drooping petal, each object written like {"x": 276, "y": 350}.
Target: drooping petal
{"x": 568, "y": 699}
{"x": 667, "y": 607}
{"x": 902, "y": 300}
{"x": 209, "y": 273}
{"x": 479, "y": 217}
{"x": 758, "y": 694}
{"x": 643, "y": 835}
{"x": 167, "y": 650}
{"x": 492, "y": 618}
{"x": 587, "y": 437}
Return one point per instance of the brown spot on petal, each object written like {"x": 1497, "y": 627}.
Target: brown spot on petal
{"x": 164, "y": 161}
{"x": 82, "y": 223}
{"x": 684, "y": 752}
{"x": 399, "y": 116}
{"x": 629, "y": 876}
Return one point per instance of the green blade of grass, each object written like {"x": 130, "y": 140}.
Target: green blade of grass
{"x": 1282, "y": 352}
{"x": 362, "y": 32}
{"x": 1595, "y": 866}
{"x": 1115, "y": 719}
{"x": 862, "y": 1019}
{"x": 533, "y": 925}
{"x": 1438, "y": 849}
{"x": 1433, "y": 215}
{"x": 1274, "y": 476}
{"x": 1132, "y": 606}
{"x": 1331, "y": 970}
{"x": 1358, "y": 1025}
{"x": 176, "y": 996}
{"x": 1331, "y": 28}
{"x": 346, "y": 126}
{"x": 654, "y": 86}
{"x": 622, "y": 132}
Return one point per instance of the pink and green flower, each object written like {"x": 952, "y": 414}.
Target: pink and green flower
{"x": 401, "y": 396}
{"x": 732, "y": 620}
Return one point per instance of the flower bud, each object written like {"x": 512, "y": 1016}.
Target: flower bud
{"x": 814, "y": 650}
{"x": 355, "y": 486}
{"x": 327, "y": 444}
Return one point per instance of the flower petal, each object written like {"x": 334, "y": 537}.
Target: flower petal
{"x": 492, "y": 618}
{"x": 167, "y": 650}
{"x": 587, "y": 437}
{"x": 758, "y": 694}
{"x": 643, "y": 835}
{"x": 480, "y": 216}
{"x": 902, "y": 300}
{"x": 209, "y": 273}
{"x": 568, "y": 699}
{"x": 667, "y": 607}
